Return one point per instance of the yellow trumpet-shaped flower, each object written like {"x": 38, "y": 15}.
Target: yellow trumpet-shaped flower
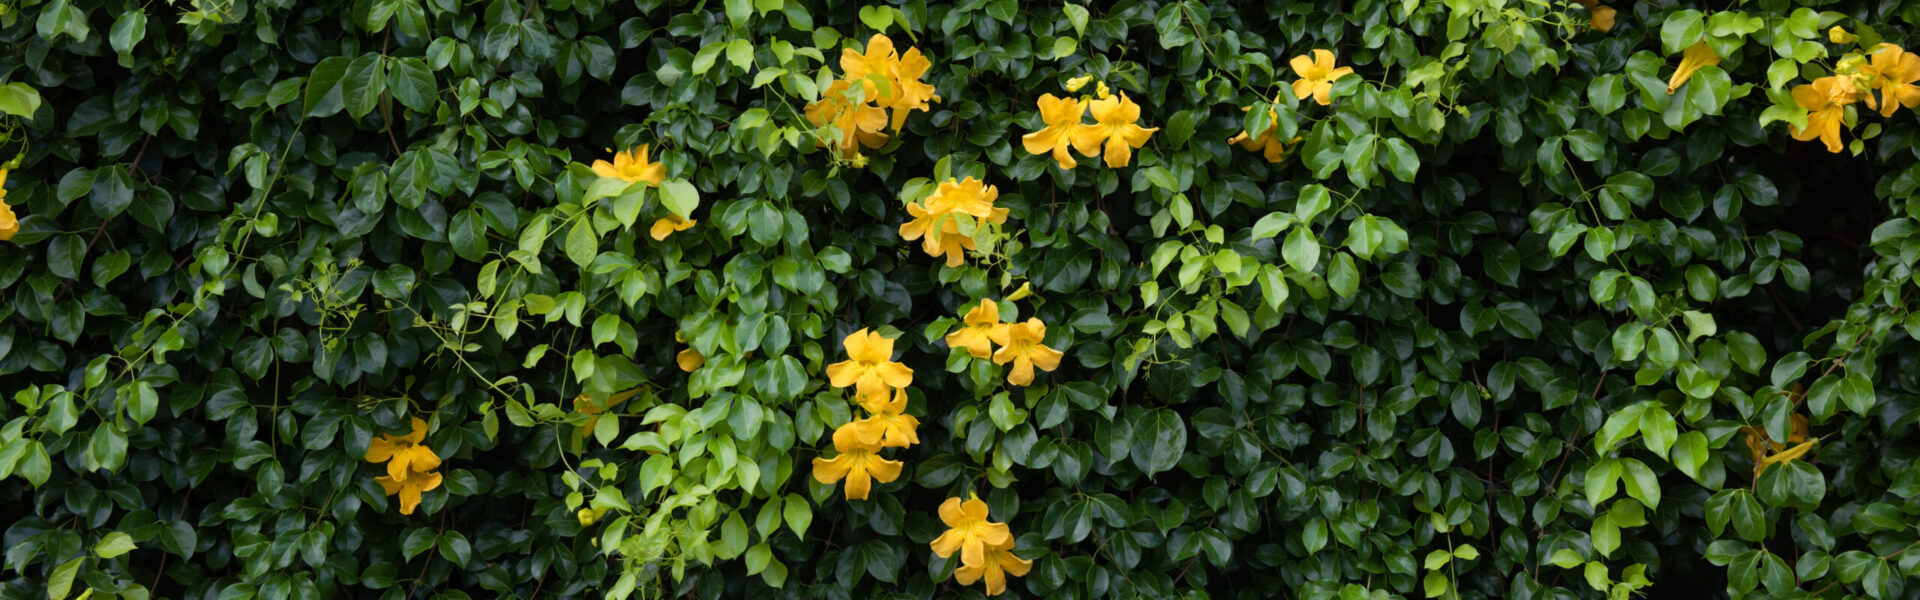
{"x": 950, "y": 202}
{"x": 969, "y": 532}
{"x": 909, "y": 93}
{"x": 889, "y": 427}
{"x": 404, "y": 454}
{"x": 1268, "y": 143}
{"x": 1021, "y": 345}
{"x": 1074, "y": 85}
{"x": 857, "y": 463}
{"x": 410, "y": 487}
{"x": 669, "y": 224}
{"x": 586, "y": 406}
{"x": 978, "y": 329}
{"x": 1116, "y": 127}
{"x": 1893, "y": 71}
{"x": 1000, "y": 562}
{"x": 690, "y": 360}
{"x": 1603, "y": 18}
{"x": 1698, "y": 55}
{"x": 869, "y": 367}
{"x": 1317, "y": 75}
{"x": 1062, "y": 116}
{"x": 632, "y": 166}
{"x": 1825, "y": 100}
{"x": 876, "y": 62}
{"x": 859, "y": 124}
{"x": 9, "y": 224}
{"x": 1759, "y": 445}
{"x": 1839, "y": 35}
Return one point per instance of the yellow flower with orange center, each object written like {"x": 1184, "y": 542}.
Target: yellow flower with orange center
{"x": 889, "y": 427}
{"x": 1062, "y": 116}
{"x": 858, "y": 463}
{"x": 978, "y": 329}
{"x": 404, "y": 454}
{"x": 937, "y": 220}
{"x": 1021, "y": 345}
{"x": 869, "y": 367}
{"x": 1317, "y": 75}
{"x": 1825, "y": 101}
{"x": 1116, "y": 127}
{"x": 632, "y": 166}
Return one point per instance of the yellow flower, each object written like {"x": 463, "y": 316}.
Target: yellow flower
{"x": 586, "y": 406}
{"x": 690, "y": 360}
{"x": 857, "y": 463}
{"x": 1268, "y": 144}
{"x": 952, "y": 201}
{"x": 877, "y": 61}
{"x": 1758, "y": 444}
{"x": 889, "y": 426}
{"x": 1074, "y": 85}
{"x": 976, "y": 335}
{"x": 1026, "y": 289}
{"x": 1894, "y": 72}
{"x": 909, "y": 93}
{"x": 1825, "y": 100}
{"x": 632, "y": 166}
{"x": 404, "y": 454}
{"x": 1316, "y": 76}
{"x": 1000, "y": 562}
{"x": 859, "y": 124}
{"x": 665, "y": 226}
{"x": 9, "y": 224}
{"x": 869, "y": 367}
{"x": 1100, "y": 90}
{"x": 1603, "y": 19}
{"x": 410, "y": 487}
{"x": 1115, "y": 125}
{"x": 1062, "y": 116}
{"x": 1698, "y": 55}
{"x": 1020, "y": 344}
{"x": 969, "y": 532}
{"x": 1840, "y": 36}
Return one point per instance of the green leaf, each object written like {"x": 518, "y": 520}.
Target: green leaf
{"x": 113, "y": 545}
{"x": 60, "y": 583}
{"x": 680, "y": 196}
{"x": 1690, "y": 453}
{"x": 128, "y": 30}
{"x": 1640, "y": 482}
{"x": 324, "y": 96}
{"x": 1302, "y": 250}
{"x": 583, "y": 244}
{"x": 362, "y": 84}
{"x": 19, "y": 99}
{"x": 798, "y": 514}
{"x": 412, "y": 83}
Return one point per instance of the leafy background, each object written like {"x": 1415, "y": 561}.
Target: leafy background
{"x": 1490, "y": 331}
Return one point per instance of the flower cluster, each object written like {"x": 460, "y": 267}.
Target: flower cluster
{"x": 986, "y": 548}
{"x": 9, "y": 224}
{"x": 410, "y": 465}
{"x": 880, "y": 388}
{"x": 947, "y": 221}
{"x": 1887, "y": 68}
{"x": 1020, "y": 343}
{"x": 632, "y": 166}
{"x": 873, "y": 83}
{"x": 1115, "y": 131}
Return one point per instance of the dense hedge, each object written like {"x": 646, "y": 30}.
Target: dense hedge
{"x": 1342, "y": 298}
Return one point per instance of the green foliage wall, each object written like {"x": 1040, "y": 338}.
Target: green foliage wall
{"x": 1509, "y": 319}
